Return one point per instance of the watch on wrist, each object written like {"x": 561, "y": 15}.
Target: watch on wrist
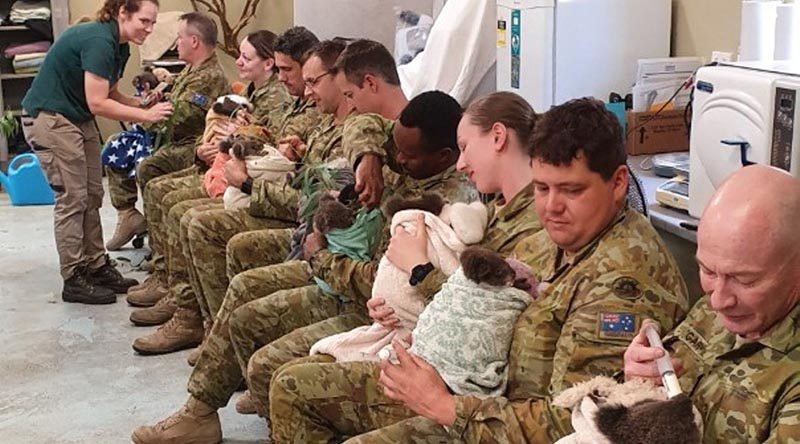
{"x": 419, "y": 273}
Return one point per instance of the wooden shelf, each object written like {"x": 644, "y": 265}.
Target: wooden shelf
{"x": 14, "y": 28}
{"x": 17, "y": 76}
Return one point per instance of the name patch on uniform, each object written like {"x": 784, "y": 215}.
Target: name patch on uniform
{"x": 199, "y": 100}
{"x": 617, "y": 325}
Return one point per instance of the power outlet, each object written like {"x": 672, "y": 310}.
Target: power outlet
{"x": 720, "y": 56}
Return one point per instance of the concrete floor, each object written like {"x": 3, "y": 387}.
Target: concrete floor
{"x": 67, "y": 371}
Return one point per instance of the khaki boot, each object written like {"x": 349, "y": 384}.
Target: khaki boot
{"x": 244, "y": 405}
{"x": 155, "y": 315}
{"x": 130, "y": 223}
{"x": 147, "y": 283}
{"x": 195, "y": 423}
{"x": 184, "y": 330}
{"x": 149, "y": 295}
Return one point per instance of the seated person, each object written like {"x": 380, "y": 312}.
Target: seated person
{"x": 737, "y": 353}
{"x": 601, "y": 262}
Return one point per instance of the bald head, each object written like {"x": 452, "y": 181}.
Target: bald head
{"x": 760, "y": 203}
{"x": 748, "y": 249}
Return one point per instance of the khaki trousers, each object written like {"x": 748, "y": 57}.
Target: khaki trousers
{"x": 70, "y": 157}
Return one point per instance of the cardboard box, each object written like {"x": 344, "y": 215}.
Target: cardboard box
{"x": 648, "y": 133}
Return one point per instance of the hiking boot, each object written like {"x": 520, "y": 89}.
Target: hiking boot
{"x": 244, "y": 405}
{"x": 155, "y": 315}
{"x": 109, "y": 277}
{"x": 130, "y": 223}
{"x": 184, "y": 330}
{"x": 80, "y": 289}
{"x": 195, "y": 423}
{"x": 147, "y": 295}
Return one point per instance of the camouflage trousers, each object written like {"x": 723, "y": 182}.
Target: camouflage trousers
{"x": 416, "y": 430}
{"x": 217, "y": 373}
{"x": 269, "y": 332}
{"x": 176, "y": 224}
{"x": 122, "y": 189}
{"x": 312, "y": 400}
{"x": 207, "y": 238}
{"x": 156, "y": 207}
{"x": 259, "y": 248}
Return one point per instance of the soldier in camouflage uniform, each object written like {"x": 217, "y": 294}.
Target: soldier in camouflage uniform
{"x": 270, "y": 100}
{"x": 298, "y": 116}
{"x": 217, "y": 373}
{"x": 600, "y": 262}
{"x": 508, "y": 223}
{"x": 194, "y": 90}
{"x": 738, "y": 348}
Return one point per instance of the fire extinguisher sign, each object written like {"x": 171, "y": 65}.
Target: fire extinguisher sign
{"x": 515, "y": 47}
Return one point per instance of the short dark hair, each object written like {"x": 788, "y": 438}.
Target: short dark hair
{"x": 203, "y": 25}
{"x": 436, "y": 114}
{"x": 328, "y": 52}
{"x": 581, "y": 126}
{"x": 362, "y": 57}
{"x": 296, "y": 42}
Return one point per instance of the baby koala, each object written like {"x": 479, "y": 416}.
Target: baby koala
{"x": 335, "y": 212}
{"x": 152, "y": 80}
{"x": 262, "y": 161}
{"x": 465, "y": 332}
{"x": 634, "y": 412}
{"x": 229, "y": 104}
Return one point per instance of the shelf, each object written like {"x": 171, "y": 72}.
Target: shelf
{"x": 14, "y": 28}
{"x": 17, "y": 76}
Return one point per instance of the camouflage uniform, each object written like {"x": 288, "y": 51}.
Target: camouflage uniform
{"x": 193, "y": 93}
{"x": 745, "y": 392}
{"x": 271, "y": 99}
{"x": 578, "y": 327}
{"x": 283, "y": 300}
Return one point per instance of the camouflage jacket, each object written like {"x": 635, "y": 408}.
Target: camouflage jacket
{"x": 579, "y": 327}
{"x": 194, "y": 91}
{"x": 299, "y": 119}
{"x": 746, "y": 392}
{"x": 508, "y": 225}
{"x": 369, "y": 134}
{"x": 269, "y": 104}
{"x": 353, "y": 279}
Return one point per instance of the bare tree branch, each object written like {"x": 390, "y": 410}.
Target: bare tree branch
{"x": 230, "y": 32}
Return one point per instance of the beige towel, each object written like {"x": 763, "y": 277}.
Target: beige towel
{"x": 271, "y": 166}
{"x": 459, "y": 226}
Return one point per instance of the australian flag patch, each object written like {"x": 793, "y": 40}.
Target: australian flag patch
{"x": 200, "y": 100}
{"x": 617, "y": 325}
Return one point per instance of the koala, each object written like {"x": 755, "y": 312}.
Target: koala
{"x": 228, "y": 105}
{"x": 146, "y": 78}
{"x": 241, "y": 147}
{"x": 332, "y": 214}
{"x": 484, "y": 266}
{"x": 432, "y": 203}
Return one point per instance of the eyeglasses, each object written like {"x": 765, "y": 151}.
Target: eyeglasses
{"x": 313, "y": 82}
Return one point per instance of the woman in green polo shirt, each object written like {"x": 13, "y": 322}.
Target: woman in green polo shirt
{"x": 78, "y": 81}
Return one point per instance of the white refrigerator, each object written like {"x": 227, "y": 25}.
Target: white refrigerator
{"x": 550, "y": 51}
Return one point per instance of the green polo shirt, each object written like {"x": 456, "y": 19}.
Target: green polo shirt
{"x": 59, "y": 86}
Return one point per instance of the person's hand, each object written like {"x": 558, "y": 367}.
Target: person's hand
{"x": 235, "y": 173}
{"x": 418, "y": 385}
{"x": 369, "y": 180}
{"x": 406, "y": 251}
{"x": 380, "y": 313}
{"x": 224, "y": 130}
{"x": 640, "y": 359}
{"x": 158, "y": 112}
{"x": 244, "y": 118}
{"x": 313, "y": 243}
{"x": 292, "y": 148}
{"x": 207, "y": 152}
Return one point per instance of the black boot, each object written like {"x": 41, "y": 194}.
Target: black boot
{"x": 108, "y": 276}
{"x": 78, "y": 289}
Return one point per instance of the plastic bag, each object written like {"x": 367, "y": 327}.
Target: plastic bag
{"x": 411, "y": 34}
